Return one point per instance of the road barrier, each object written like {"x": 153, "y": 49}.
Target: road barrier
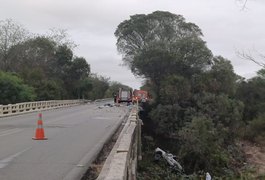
{"x": 19, "y": 108}
{"x": 39, "y": 134}
{"x": 121, "y": 163}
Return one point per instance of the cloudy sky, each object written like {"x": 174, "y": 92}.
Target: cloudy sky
{"x": 91, "y": 24}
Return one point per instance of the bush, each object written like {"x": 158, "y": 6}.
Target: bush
{"x": 201, "y": 147}
{"x": 256, "y": 129}
{"x": 13, "y": 90}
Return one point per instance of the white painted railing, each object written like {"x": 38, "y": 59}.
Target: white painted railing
{"x": 19, "y": 108}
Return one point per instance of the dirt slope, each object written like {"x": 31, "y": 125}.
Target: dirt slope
{"x": 255, "y": 156}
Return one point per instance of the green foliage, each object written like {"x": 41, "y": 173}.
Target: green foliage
{"x": 79, "y": 68}
{"x": 48, "y": 90}
{"x": 64, "y": 55}
{"x": 142, "y": 31}
{"x": 99, "y": 87}
{"x": 175, "y": 89}
{"x": 37, "y": 52}
{"x": 47, "y": 64}
{"x": 255, "y": 130}
{"x": 13, "y": 90}
{"x": 114, "y": 88}
{"x": 194, "y": 91}
{"x": 201, "y": 147}
{"x": 218, "y": 79}
{"x": 49, "y": 67}
{"x": 76, "y": 76}
{"x": 155, "y": 171}
{"x": 224, "y": 111}
{"x": 62, "y": 62}
{"x": 252, "y": 93}
{"x": 83, "y": 88}
{"x": 161, "y": 44}
{"x": 167, "y": 119}
{"x": 261, "y": 73}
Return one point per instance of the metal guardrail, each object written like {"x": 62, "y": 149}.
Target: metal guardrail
{"x": 121, "y": 163}
{"x": 20, "y": 108}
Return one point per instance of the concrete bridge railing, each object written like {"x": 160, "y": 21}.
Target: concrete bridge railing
{"x": 19, "y": 108}
{"x": 121, "y": 163}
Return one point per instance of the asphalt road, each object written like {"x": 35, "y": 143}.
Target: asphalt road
{"x": 75, "y": 135}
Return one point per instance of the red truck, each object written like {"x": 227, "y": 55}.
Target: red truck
{"x": 140, "y": 96}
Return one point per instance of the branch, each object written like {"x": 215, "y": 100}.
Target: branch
{"x": 249, "y": 56}
{"x": 243, "y": 3}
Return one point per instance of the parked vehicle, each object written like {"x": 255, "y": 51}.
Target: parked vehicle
{"x": 140, "y": 96}
{"x": 124, "y": 96}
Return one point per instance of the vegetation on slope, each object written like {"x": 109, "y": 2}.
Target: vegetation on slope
{"x": 199, "y": 108}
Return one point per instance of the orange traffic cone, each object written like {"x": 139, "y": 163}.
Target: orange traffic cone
{"x": 39, "y": 135}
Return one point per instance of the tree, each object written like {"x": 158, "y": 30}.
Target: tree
{"x": 11, "y": 33}
{"x": 83, "y": 88}
{"x": 255, "y": 130}
{"x": 13, "y": 90}
{"x": 79, "y": 68}
{"x": 114, "y": 88}
{"x": 252, "y": 93}
{"x": 49, "y": 90}
{"x": 47, "y": 63}
{"x": 219, "y": 78}
{"x": 175, "y": 89}
{"x": 48, "y": 67}
{"x": 201, "y": 147}
{"x": 100, "y": 85}
{"x": 60, "y": 37}
{"x": 64, "y": 55}
{"x": 195, "y": 105}
{"x": 159, "y": 44}
{"x": 75, "y": 76}
{"x": 35, "y": 53}
{"x": 167, "y": 120}
{"x": 142, "y": 32}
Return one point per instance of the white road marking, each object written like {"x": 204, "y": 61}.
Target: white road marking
{"x": 10, "y": 131}
{"x": 6, "y": 161}
{"x": 102, "y": 118}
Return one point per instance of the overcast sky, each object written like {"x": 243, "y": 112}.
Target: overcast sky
{"x": 91, "y": 24}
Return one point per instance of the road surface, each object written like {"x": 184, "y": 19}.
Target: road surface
{"x": 75, "y": 135}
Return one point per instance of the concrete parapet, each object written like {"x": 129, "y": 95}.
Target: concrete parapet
{"x": 121, "y": 162}
{"x": 19, "y": 108}
{"x": 118, "y": 166}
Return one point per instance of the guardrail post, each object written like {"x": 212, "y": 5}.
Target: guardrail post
{"x": 1, "y": 109}
{"x": 9, "y": 108}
